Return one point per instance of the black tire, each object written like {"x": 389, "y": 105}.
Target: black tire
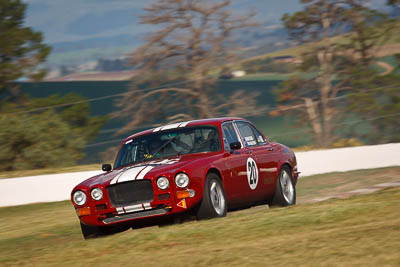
{"x": 216, "y": 207}
{"x": 170, "y": 221}
{"x": 285, "y": 192}
{"x": 89, "y": 232}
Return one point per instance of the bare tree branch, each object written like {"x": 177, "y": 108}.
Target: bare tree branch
{"x": 193, "y": 37}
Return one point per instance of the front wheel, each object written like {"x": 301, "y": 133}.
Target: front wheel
{"x": 285, "y": 193}
{"x": 213, "y": 203}
{"x": 89, "y": 232}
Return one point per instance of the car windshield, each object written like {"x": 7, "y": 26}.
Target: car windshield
{"x": 163, "y": 144}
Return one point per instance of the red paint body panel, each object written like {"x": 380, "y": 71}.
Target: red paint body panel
{"x": 230, "y": 166}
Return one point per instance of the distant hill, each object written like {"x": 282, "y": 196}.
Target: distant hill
{"x": 81, "y": 31}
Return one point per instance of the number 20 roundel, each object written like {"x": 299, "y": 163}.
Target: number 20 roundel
{"x": 252, "y": 173}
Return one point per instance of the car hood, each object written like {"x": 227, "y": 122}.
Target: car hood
{"x": 153, "y": 168}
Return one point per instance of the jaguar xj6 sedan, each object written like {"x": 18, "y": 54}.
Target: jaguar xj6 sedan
{"x": 201, "y": 167}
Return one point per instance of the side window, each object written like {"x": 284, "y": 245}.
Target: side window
{"x": 229, "y": 135}
{"x": 260, "y": 138}
{"x": 247, "y": 134}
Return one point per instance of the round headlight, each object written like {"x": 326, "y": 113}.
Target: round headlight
{"x": 96, "y": 193}
{"x": 181, "y": 180}
{"x": 162, "y": 183}
{"x": 79, "y": 198}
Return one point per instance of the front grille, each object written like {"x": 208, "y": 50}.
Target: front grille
{"x": 130, "y": 193}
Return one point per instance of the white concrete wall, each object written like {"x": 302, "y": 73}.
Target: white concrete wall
{"x": 347, "y": 159}
{"x": 57, "y": 187}
{"x": 41, "y": 188}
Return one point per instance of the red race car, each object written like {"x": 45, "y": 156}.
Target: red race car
{"x": 201, "y": 167}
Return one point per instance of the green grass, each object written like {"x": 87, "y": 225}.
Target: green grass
{"x": 359, "y": 231}
{"x": 22, "y": 173}
{"x": 337, "y": 184}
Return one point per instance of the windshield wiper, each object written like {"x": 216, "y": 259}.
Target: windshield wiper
{"x": 164, "y": 145}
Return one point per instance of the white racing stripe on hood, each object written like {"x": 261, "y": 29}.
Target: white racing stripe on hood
{"x": 130, "y": 174}
{"x": 168, "y": 161}
{"x": 162, "y": 161}
{"x": 139, "y": 172}
{"x": 115, "y": 179}
{"x": 144, "y": 172}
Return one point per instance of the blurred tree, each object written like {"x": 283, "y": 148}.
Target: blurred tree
{"x": 35, "y": 136}
{"x": 393, "y": 2}
{"x": 37, "y": 141}
{"x": 21, "y": 49}
{"x": 193, "y": 37}
{"x": 334, "y": 55}
{"x": 376, "y": 99}
{"x": 73, "y": 110}
{"x": 395, "y": 5}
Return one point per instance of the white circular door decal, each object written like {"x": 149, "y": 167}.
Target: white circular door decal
{"x": 252, "y": 173}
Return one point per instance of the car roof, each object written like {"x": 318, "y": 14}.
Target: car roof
{"x": 211, "y": 121}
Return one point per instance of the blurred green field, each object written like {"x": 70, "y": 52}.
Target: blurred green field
{"x": 296, "y": 51}
{"x": 362, "y": 230}
{"x": 106, "y": 138}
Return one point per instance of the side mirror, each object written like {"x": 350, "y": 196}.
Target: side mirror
{"x": 106, "y": 167}
{"x": 235, "y": 145}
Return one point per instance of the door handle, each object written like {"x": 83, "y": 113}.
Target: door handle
{"x": 249, "y": 152}
{"x": 271, "y": 149}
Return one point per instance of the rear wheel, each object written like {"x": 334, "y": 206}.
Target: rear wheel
{"x": 285, "y": 193}
{"x": 213, "y": 203}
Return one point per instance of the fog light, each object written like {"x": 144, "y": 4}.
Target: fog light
{"x": 83, "y": 211}
{"x": 192, "y": 193}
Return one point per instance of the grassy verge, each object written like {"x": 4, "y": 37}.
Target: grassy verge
{"x": 363, "y": 230}
{"x": 337, "y": 184}
{"x": 22, "y": 173}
